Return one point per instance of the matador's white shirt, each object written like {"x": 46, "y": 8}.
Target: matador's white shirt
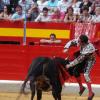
{"x": 84, "y": 51}
{"x": 87, "y": 49}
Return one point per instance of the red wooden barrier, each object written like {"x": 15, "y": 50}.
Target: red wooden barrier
{"x": 15, "y": 59}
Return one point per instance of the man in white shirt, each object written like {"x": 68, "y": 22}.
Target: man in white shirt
{"x": 43, "y": 17}
{"x": 52, "y": 40}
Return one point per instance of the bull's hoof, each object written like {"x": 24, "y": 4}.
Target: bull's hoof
{"x": 81, "y": 91}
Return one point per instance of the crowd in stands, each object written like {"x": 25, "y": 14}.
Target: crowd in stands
{"x": 50, "y": 10}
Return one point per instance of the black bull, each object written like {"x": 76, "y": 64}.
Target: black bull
{"x": 44, "y": 75}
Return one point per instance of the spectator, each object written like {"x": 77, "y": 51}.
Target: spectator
{"x": 96, "y": 17}
{"x": 70, "y": 17}
{"x": 13, "y": 4}
{"x": 57, "y": 16}
{"x": 51, "y": 40}
{"x": 75, "y": 5}
{"x": 7, "y": 2}
{"x": 63, "y": 5}
{"x": 43, "y": 17}
{"x": 86, "y": 3}
{"x": 85, "y": 17}
{"x": 26, "y": 4}
{"x": 5, "y": 14}
{"x": 42, "y": 4}
{"x": 33, "y": 13}
{"x": 52, "y": 4}
{"x": 1, "y": 5}
{"x": 96, "y": 3}
{"x": 18, "y": 15}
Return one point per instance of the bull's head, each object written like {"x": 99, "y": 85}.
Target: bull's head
{"x": 43, "y": 83}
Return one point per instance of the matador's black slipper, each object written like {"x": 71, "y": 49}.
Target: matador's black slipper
{"x": 91, "y": 97}
{"x": 81, "y": 91}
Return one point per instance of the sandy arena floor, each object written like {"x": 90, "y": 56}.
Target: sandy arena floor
{"x": 46, "y": 96}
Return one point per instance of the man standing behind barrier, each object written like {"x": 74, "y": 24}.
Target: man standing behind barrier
{"x": 44, "y": 16}
{"x": 87, "y": 52}
{"x": 51, "y": 40}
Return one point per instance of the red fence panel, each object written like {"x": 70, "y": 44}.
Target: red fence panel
{"x": 15, "y": 59}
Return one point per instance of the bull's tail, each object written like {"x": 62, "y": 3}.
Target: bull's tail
{"x": 24, "y": 85}
{"x": 36, "y": 62}
{"x": 27, "y": 77}
{"x": 22, "y": 91}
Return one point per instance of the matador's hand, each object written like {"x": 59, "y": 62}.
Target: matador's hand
{"x": 65, "y": 50}
{"x": 67, "y": 66}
